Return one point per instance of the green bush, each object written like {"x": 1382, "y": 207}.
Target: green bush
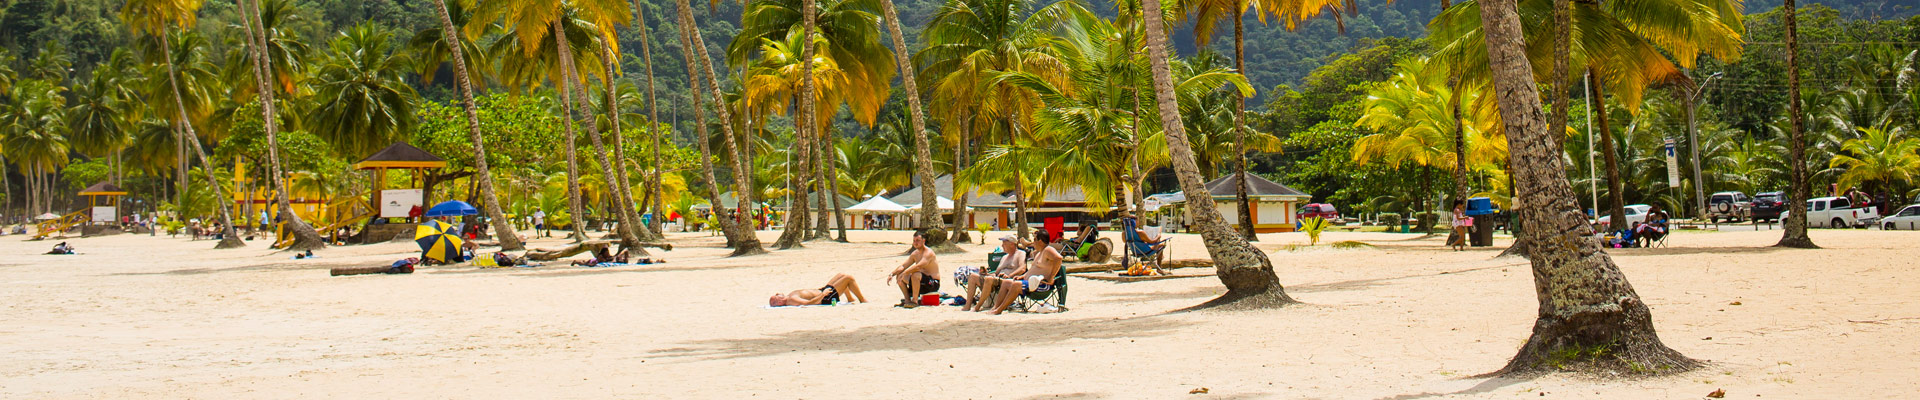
{"x": 1388, "y": 219}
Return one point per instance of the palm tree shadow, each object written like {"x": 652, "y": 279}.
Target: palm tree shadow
{"x": 923, "y": 337}
{"x": 1489, "y": 385}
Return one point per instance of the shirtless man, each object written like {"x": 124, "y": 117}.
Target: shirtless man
{"x": 1038, "y": 277}
{"x": 979, "y": 288}
{"x": 839, "y": 288}
{"x": 919, "y": 275}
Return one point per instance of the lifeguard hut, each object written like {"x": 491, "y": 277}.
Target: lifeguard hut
{"x": 398, "y": 203}
{"x": 103, "y": 209}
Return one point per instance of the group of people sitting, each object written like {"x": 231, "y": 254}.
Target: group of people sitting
{"x": 1027, "y": 268}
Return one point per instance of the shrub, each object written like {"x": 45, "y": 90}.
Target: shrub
{"x": 1388, "y": 219}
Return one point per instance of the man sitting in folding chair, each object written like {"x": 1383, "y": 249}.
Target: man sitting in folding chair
{"x": 1142, "y": 246}
{"x": 1038, "y": 277}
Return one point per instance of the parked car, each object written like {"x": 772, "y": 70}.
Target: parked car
{"x": 1322, "y": 210}
{"x": 1768, "y": 206}
{"x": 1907, "y": 219}
{"x": 1729, "y": 206}
{"x": 1836, "y": 212}
{"x": 1636, "y": 214}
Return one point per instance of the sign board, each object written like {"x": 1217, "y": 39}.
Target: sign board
{"x": 398, "y": 202}
{"x": 106, "y": 214}
{"x": 1673, "y": 165}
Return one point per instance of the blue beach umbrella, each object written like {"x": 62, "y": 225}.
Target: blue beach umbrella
{"x": 452, "y": 208}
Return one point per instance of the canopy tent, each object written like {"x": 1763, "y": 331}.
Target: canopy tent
{"x": 943, "y": 202}
{"x": 876, "y": 204}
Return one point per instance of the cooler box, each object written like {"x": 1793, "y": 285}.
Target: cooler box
{"x": 1482, "y": 211}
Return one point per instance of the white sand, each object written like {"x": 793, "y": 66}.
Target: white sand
{"x": 146, "y": 317}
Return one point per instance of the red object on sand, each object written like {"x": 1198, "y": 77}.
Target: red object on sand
{"x": 930, "y": 299}
{"x": 1055, "y": 227}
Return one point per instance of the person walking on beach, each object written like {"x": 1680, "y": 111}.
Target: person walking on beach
{"x": 919, "y": 274}
{"x": 1461, "y": 223}
{"x": 540, "y": 223}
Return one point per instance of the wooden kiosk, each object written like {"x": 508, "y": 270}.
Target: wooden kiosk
{"x": 103, "y": 209}
{"x": 394, "y": 205}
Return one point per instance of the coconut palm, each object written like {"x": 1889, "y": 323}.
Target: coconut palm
{"x": 653, "y": 121}
{"x": 1244, "y": 269}
{"x": 35, "y": 136}
{"x": 968, "y": 43}
{"x": 1584, "y": 299}
{"x": 700, "y": 65}
{"x": 361, "y": 102}
{"x": 1207, "y": 13}
{"x": 1623, "y": 44}
{"x": 1795, "y": 234}
{"x": 261, "y": 47}
{"x": 157, "y": 18}
{"x": 1882, "y": 160}
{"x": 457, "y": 49}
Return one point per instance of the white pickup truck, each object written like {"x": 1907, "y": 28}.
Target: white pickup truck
{"x": 1836, "y": 212}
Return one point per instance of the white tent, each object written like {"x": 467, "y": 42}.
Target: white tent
{"x": 939, "y": 201}
{"x": 876, "y": 204}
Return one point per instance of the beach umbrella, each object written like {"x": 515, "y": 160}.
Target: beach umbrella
{"x": 452, "y": 208}
{"x": 47, "y": 216}
{"x": 437, "y": 241}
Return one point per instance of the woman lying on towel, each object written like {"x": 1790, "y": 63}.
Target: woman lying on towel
{"x": 840, "y": 285}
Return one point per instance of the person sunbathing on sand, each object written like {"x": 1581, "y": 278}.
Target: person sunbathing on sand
{"x": 919, "y": 274}
{"x": 840, "y": 285}
{"x": 1038, "y": 277}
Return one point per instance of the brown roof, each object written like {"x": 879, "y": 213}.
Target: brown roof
{"x": 102, "y": 187}
{"x": 401, "y": 151}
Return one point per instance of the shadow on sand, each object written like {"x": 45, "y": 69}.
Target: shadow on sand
{"x": 924, "y": 337}
{"x": 1489, "y": 385}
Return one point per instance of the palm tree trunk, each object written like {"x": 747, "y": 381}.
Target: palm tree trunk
{"x": 1460, "y": 189}
{"x": 746, "y": 241}
{"x": 503, "y": 228}
{"x": 304, "y": 237}
{"x": 823, "y": 220}
{"x": 1614, "y": 192}
{"x": 700, "y": 125}
{"x": 798, "y": 166}
{"x": 228, "y": 238}
{"x": 922, "y": 149}
{"x": 1245, "y": 270}
{"x": 1019, "y": 206}
{"x": 629, "y": 219}
{"x": 622, "y": 208}
{"x": 959, "y": 202}
{"x": 1245, "y": 206}
{"x": 654, "y": 201}
{"x": 832, "y": 189}
{"x": 1796, "y": 223}
{"x": 577, "y": 218}
{"x": 1585, "y": 302}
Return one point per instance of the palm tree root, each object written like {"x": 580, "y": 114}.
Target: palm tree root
{"x": 1601, "y": 342}
{"x": 1797, "y": 243}
{"x": 230, "y": 242}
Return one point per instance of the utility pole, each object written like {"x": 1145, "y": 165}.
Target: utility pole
{"x": 1693, "y": 146}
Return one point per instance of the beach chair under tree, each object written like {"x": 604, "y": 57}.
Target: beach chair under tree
{"x": 1139, "y": 248}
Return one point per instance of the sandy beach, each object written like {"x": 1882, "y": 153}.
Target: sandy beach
{"x": 158, "y": 317}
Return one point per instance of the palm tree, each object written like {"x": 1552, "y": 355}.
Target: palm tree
{"x": 259, "y": 47}
{"x": 157, "y": 17}
{"x": 653, "y": 121}
{"x": 700, "y": 65}
{"x": 456, "y": 48}
{"x": 923, "y": 151}
{"x": 968, "y": 42}
{"x": 1584, "y": 299}
{"x": 1879, "y": 160}
{"x": 1244, "y": 269}
{"x": 1209, "y": 12}
{"x": 1795, "y": 234}
{"x": 362, "y": 104}
{"x": 35, "y": 136}
{"x": 1623, "y": 44}
{"x": 1418, "y": 114}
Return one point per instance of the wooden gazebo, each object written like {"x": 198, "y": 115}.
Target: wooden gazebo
{"x": 398, "y": 156}
{"x": 103, "y": 203}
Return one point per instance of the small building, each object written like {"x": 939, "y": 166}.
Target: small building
{"x": 983, "y": 207}
{"x": 1273, "y": 204}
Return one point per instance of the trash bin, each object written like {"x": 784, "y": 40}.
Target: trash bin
{"x": 1482, "y": 211}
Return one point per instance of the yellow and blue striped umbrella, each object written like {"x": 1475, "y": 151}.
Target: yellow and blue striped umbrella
{"x": 437, "y": 241}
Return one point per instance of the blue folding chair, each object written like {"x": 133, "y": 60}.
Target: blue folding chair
{"x": 1138, "y": 247}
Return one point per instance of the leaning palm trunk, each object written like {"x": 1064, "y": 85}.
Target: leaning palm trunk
{"x": 959, "y": 226}
{"x": 700, "y": 127}
{"x": 1243, "y": 269}
{"x": 572, "y": 144}
{"x": 573, "y": 82}
{"x": 1245, "y": 206}
{"x": 1618, "y": 208}
{"x": 653, "y": 123}
{"x": 1796, "y": 223}
{"x": 228, "y": 237}
{"x": 745, "y": 241}
{"x": 824, "y": 216}
{"x": 629, "y": 219}
{"x": 304, "y": 237}
{"x": 832, "y": 189}
{"x": 922, "y": 150}
{"x": 796, "y": 230}
{"x": 509, "y": 239}
{"x": 1587, "y": 308}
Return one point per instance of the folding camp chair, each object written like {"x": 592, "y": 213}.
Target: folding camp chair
{"x": 1137, "y": 247}
{"x": 1054, "y": 298}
